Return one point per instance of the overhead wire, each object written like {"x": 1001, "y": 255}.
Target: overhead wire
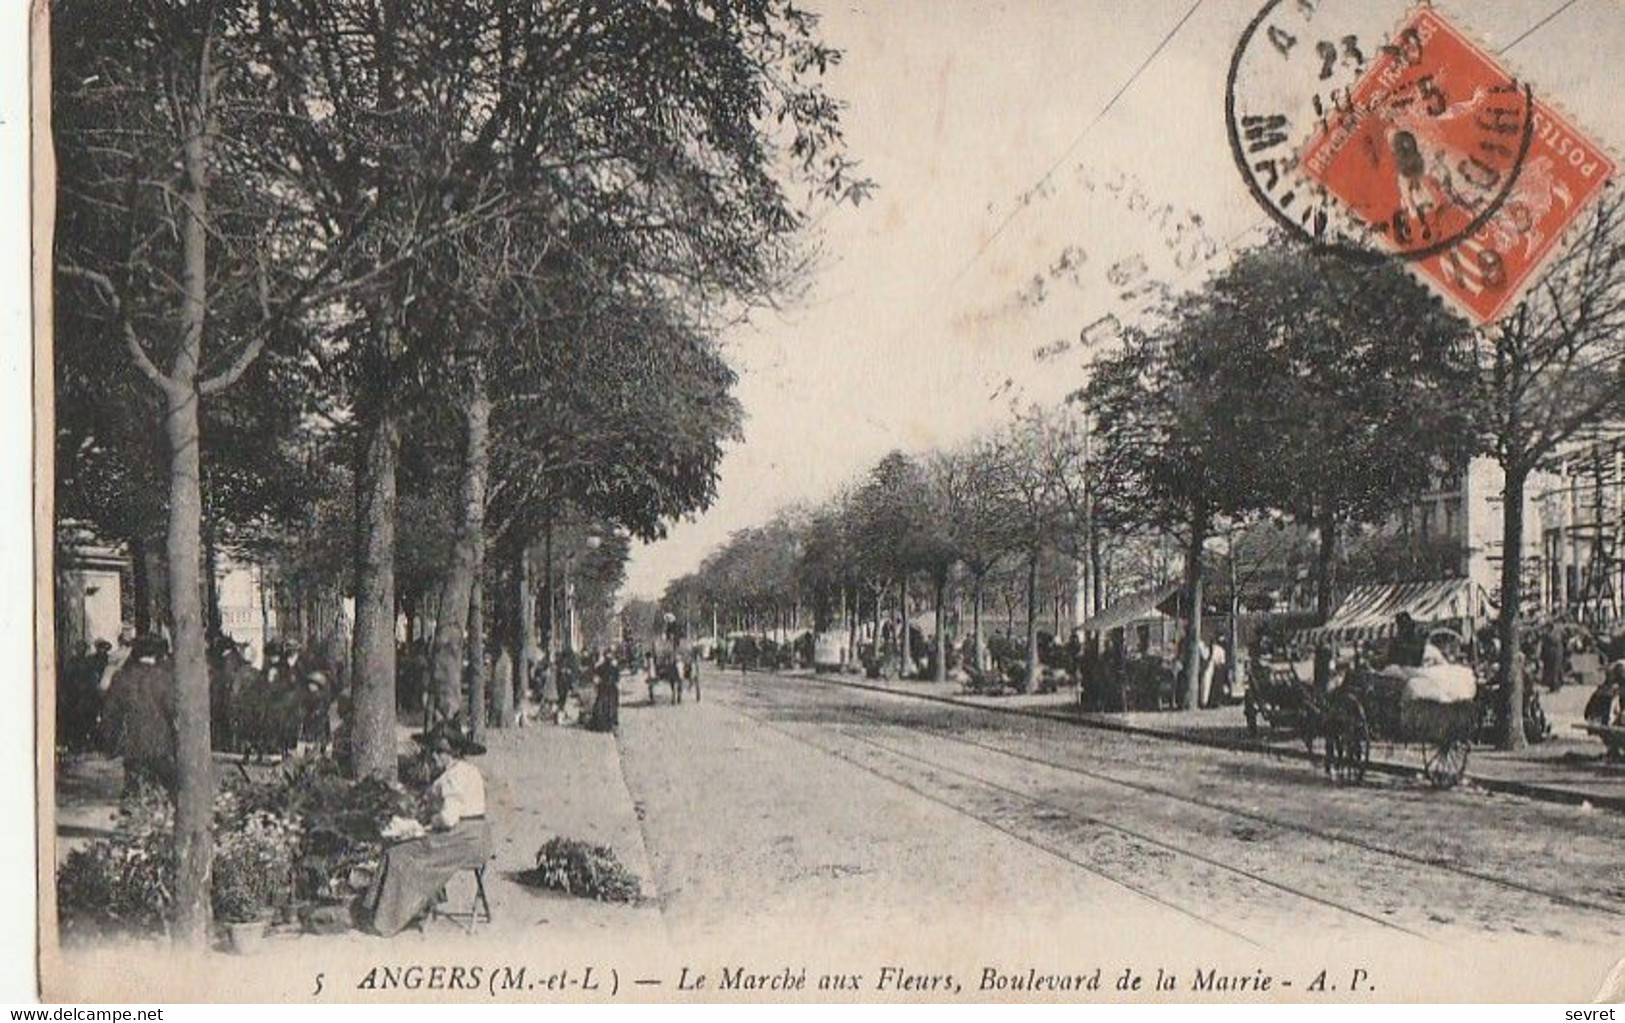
{"x": 1078, "y": 140}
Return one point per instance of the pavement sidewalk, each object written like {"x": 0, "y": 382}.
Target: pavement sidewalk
{"x": 1567, "y": 768}
{"x": 541, "y": 781}
{"x": 545, "y": 781}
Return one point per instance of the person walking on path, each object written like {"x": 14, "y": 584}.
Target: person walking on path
{"x": 79, "y": 698}
{"x": 606, "y": 704}
{"x": 691, "y": 670}
{"x": 1215, "y": 670}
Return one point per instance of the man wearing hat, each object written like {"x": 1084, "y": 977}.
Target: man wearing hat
{"x": 138, "y": 719}
{"x": 415, "y": 871}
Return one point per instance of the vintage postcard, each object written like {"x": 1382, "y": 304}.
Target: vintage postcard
{"x": 910, "y": 501}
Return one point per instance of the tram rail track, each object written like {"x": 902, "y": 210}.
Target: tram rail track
{"x": 862, "y": 716}
{"x": 1137, "y": 836}
{"x": 1047, "y": 848}
{"x": 1506, "y": 883}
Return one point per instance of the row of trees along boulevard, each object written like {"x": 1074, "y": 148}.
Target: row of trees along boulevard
{"x": 982, "y": 520}
{"x": 1293, "y": 389}
{"x": 1328, "y": 391}
{"x": 460, "y": 259}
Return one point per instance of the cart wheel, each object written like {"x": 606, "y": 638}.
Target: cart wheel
{"x": 1446, "y": 763}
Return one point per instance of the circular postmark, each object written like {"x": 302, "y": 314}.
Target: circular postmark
{"x": 1371, "y": 143}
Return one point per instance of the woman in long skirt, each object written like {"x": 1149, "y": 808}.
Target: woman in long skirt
{"x": 416, "y": 871}
{"x": 606, "y": 705}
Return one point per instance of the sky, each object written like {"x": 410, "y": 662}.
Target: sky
{"x": 980, "y": 124}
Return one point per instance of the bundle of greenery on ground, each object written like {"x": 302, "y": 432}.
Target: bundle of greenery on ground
{"x": 579, "y": 868}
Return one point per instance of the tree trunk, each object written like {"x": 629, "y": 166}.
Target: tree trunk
{"x": 372, "y": 658}
{"x": 1193, "y": 621}
{"x": 905, "y": 666}
{"x": 552, "y": 595}
{"x": 878, "y": 654}
{"x": 372, "y": 655}
{"x": 1510, "y": 672}
{"x": 140, "y": 585}
{"x": 853, "y": 617}
{"x": 264, "y": 589}
{"x": 1097, "y": 584}
{"x": 524, "y": 629}
{"x": 1233, "y": 661}
{"x": 194, "y": 796}
{"x": 194, "y": 799}
{"x": 462, "y": 573}
{"x": 479, "y": 698}
{"x": 941, "y": 673}
{"x": 502, "y": 682}
{"x": 976, "y": 613}
{"x": 1325, "y": 559}
{"x": 214, "y": 625}
{"x": 843, "y": 624}
{"x": 1030, "y": 683}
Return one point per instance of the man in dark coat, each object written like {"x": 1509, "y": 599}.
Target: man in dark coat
{"x": 1553, "y": 657}
{"x": 79, "y": 698}
{"x": 228, "y": 668}
{"x": 139, "y": 718}
{"x": 1405, "y": 647}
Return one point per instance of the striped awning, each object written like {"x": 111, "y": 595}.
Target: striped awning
{"x": 1368, "y": 612}
{"x": 1133, "y": 608}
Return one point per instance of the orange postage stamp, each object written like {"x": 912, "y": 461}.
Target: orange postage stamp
{"x": 1450, "y": 161}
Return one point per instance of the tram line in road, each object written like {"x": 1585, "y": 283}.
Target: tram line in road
{"x": 1004, "y": 829}
{"x": 1468, "y": 873}
{"x": 1133, "y": 834}
{"x": 1049, "y": 808}
{"x": 1509, "y": 884}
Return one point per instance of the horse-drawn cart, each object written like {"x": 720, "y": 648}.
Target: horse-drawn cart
{"x": 1422, "y": 699}
{"x": 1432, "y": 707}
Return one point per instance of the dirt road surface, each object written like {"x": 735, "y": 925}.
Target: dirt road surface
{"x": 783, "y": 807}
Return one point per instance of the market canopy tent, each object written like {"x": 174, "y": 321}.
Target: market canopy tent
{"x": 1134, "y": 608}
{"x": 1368, "y": 612}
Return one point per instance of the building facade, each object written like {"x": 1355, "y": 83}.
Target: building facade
{"x": 1574, "y": 529}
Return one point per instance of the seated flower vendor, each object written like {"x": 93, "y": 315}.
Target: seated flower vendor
{"x": 415, "y": 871}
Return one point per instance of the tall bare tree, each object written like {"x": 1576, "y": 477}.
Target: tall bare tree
{"x": 1548, "y": 371}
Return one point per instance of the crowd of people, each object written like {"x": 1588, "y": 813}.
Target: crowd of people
{"x": 585, "y": 689}
{"x": 120, "y": 700}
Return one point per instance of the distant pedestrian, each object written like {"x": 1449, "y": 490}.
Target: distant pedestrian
{"x": 606, "y": 704}
{"x": 230, "y": 679}
{"x": 1553, "y": 657}
{"x": 1215, "y": 675}
{"x": 566, "y": 676}
{"x": 78, "y": 698}
{"x": 691, "y": 670}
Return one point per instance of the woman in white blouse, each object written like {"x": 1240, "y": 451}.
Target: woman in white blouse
{"x": 416, "y": 870}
